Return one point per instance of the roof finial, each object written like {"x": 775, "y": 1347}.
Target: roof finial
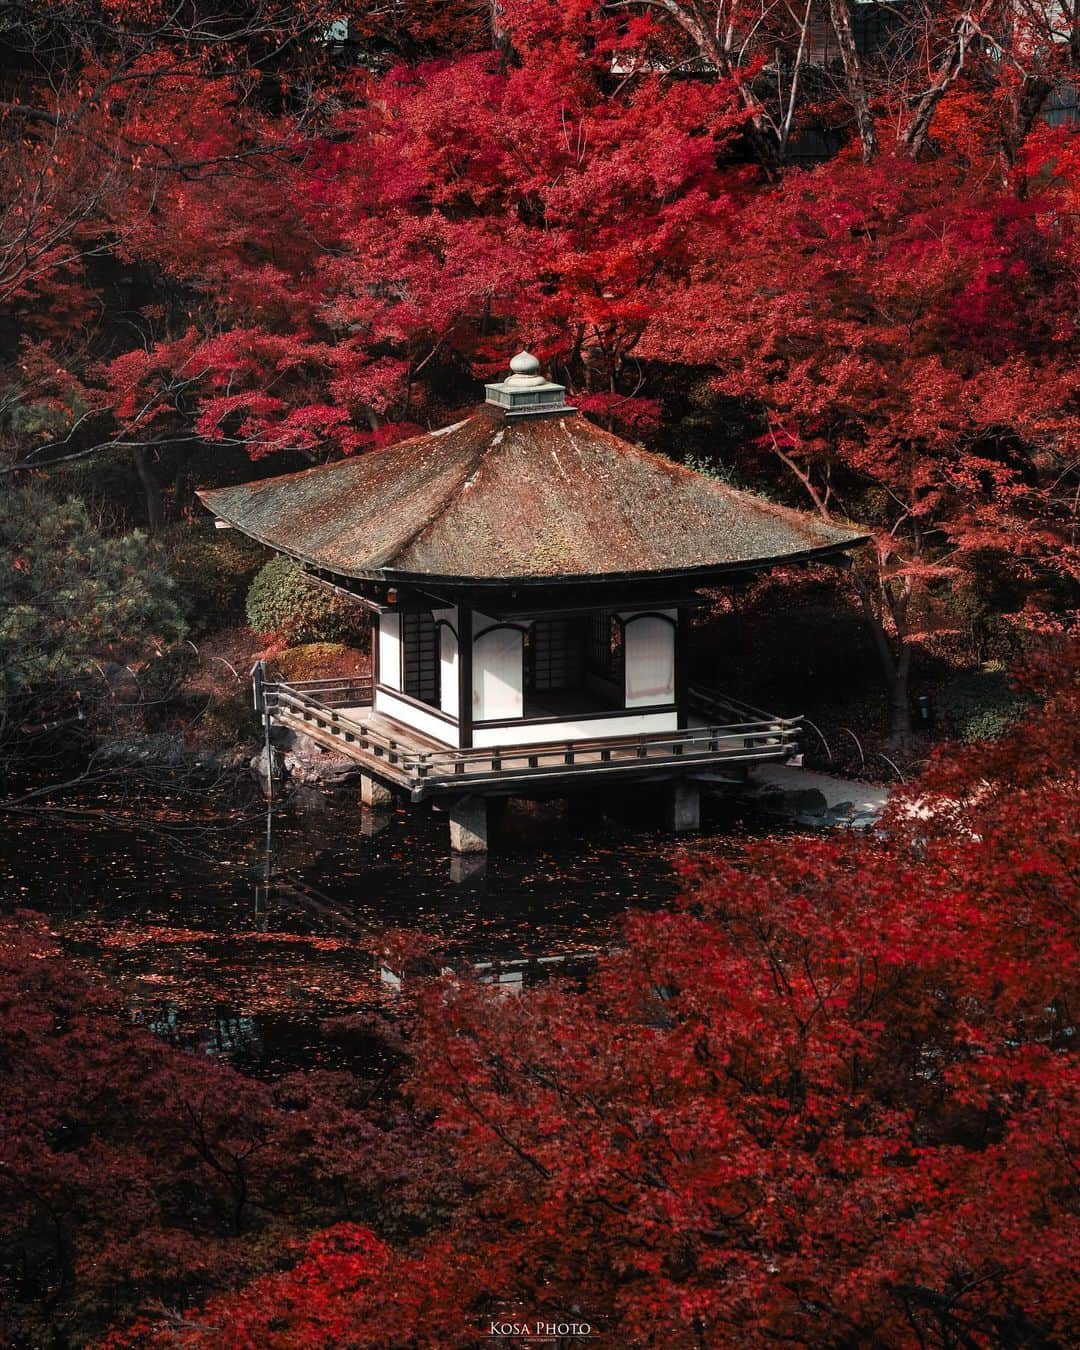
{"x": 524, "y": 369}
{"x": 525, "y": 392}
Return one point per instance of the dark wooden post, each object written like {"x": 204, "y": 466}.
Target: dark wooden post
{"x": 258, "y": 680}
{"x": 465, "y": 676}
{"x": 258, "y": 688}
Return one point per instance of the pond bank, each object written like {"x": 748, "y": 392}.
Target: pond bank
{"x": 818, "y": 800}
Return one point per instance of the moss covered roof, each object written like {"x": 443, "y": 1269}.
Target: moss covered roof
{"x": 550, "y": 498}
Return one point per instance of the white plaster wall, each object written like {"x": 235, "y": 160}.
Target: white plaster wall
{"x": 390, "y": 650}
{"x": 539, "y": 733}
{"x": 649, "y": 648}
{"x": 498, "y": 674}
{"x": 482, "y": 622}
{"x": 448, "y": 671}
{"x": 427, "y": 722}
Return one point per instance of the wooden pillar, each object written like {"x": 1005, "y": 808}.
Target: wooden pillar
{"x": 682, "y": 668}
{"x": 469, "y": 825}
{"x": 465, "y": 676}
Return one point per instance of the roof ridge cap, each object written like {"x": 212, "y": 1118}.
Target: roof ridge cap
{"x": 451, "y": 495}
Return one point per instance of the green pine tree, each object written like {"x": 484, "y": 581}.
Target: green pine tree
{"x": 71, "y": 596}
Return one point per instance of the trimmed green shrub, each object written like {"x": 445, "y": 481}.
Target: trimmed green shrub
{"x": 282, "y": 602}
{"x": 214, "y": 569}
{"x": 980, "y": 705}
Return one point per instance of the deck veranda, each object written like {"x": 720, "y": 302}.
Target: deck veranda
{"x": 338, "y": 714}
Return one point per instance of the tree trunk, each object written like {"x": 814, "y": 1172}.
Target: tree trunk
{"x": 500, "y": 37}
{"x": 757, "y": 131}
{"x": 1034, "y": 91}
{"x": 900, "y": 702}
{"x": 895, "y": 668}
{"x": 151, "y": 489}
{"x": 840, "y": 16}
{"x": 787, "y": 121}
{"x": 181, "y": 485}
{"x": 948, "y": 71}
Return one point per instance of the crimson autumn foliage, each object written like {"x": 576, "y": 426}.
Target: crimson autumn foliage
{"x": 133, "y": 1173}
{"x": 334, "y": 248}
{"x": 448, "y": 205}
{"x": 830, "y": 1099}
{"x": 321, "y": 253}
{"x": 904, "y": 335}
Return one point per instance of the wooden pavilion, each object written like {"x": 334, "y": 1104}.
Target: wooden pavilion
{"x": 530, "y": 578}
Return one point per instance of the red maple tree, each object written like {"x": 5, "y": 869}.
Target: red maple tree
{"x": 133, "y": 1173}
{"x": 903, "y": 340}
{"x": 450, "y": 210}
{"x": 831, "y": 1099}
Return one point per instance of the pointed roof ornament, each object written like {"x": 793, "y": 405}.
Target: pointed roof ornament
{"x": 525, "y": 392}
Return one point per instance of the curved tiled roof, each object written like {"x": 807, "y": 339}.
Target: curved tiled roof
{"x": 549, "y": 498}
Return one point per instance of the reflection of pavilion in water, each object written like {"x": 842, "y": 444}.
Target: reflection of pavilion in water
{"x": 278, "y": 882}
{"x": 508, "y": 968}
{"x": 223, "y": 1035}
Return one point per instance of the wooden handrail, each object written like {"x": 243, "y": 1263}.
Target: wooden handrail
{"x": 336, "y": 721}
{"x": 428, "y": 767}
{"x": 639, "y": 746}
{"x": 342, "y": 692}
{"x": 707, "y": 698}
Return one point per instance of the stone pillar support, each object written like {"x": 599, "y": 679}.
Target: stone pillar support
{"x": 374, "y": 793}
{"x": 373, "y": 820}
{"x": 469, "y": 825}
{"x": 684, "y": 806}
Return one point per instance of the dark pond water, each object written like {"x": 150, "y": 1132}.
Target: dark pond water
{"x": 237, "y": 940}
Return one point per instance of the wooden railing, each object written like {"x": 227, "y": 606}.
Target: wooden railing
{"x": 339, "y": 693}
{"x": 309, "y": 706}
{"x": 318, "y": 704}
{"x": 715, "y": 704}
